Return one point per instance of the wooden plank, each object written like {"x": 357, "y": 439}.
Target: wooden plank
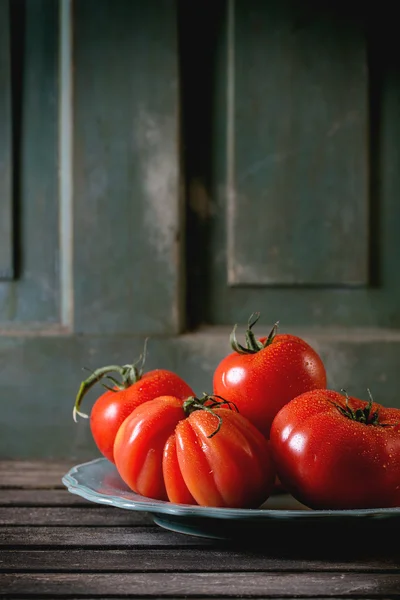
{"x": 126, "y": 165}
{"x": 32, "y": 474}
{"x": 26, "y": 497}
{"x": 298, "y": 169}
{"x": 6, "y": 199}
{"x": 261, "y": 585}
{"x": 73, "y": 516}
{"x": 45, "y": 427}
{"x": 178, "y": 560}
{"x": 107, "y": 537}
{"x": 34, "y": 297}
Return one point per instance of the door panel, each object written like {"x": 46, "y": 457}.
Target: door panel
{"x": 128, "y": 230}
{"x": 297, "y": 151}
{"x": 317, "y": 250}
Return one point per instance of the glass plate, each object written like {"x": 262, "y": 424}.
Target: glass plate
{"x": 282, "y": 515}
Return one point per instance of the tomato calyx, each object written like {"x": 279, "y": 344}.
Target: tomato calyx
{"x": 207, "y": 402}
{"x": 129, "y": 375}
{"x": 252, "y": 344}
{"x": 362, "y": 415}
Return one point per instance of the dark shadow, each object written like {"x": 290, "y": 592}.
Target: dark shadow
{"x": 384, "y": 74}
{"x": 338, "y": 542}
{"x": 200, "y": 24}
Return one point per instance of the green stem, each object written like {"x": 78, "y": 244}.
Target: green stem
{"x": 361, "y": 415}
{"x": 192, "y": 404}
{"x": 252, "y": 344}
{"x": 129, "y": 374}
{"x": 271, "y": 335}
{"x": 89, "y": 383}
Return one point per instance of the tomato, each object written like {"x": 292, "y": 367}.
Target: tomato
{"x": 113, "y": 406}
{"x": 333, "y": 451}
{"x": 194, "y": 452}
{"x": 266, "y": 374}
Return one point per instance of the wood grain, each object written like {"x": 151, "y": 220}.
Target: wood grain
{"x": 32, "y": 474}
{"x": 109, "y": 537}
{"x": 174, "y": 559}
{"x": 78, "y": 554}
{"x": 38, "y": 498}
{"x": 255, "y": 585}
{"x": 73, "y": 516}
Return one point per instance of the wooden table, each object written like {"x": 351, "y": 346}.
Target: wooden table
{"x": 56, "y": 545}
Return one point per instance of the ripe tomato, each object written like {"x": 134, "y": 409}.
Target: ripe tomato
{"x": 333, "y": 451}
{"x": 194, "y": 452}
{"x": 113, "y": 406}
{"x": 260, "y": 378}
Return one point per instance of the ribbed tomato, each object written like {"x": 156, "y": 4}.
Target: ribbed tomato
{"x": 194, "y": 452}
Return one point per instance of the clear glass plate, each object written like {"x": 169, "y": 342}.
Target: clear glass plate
{"x": 282, "y": 515}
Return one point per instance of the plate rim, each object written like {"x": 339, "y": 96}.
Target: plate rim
{"x": 193, "y": 511}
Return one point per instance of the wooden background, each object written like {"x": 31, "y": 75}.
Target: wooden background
{"x": 166, "y": 169}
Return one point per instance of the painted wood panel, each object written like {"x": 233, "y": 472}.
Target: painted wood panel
{"x": 6, "y": 206}
{"x": 33, "y": 298}
{"x": 128, "y": 228}
{"x": 371, "y": 305}
{"x": 297, "y": 136}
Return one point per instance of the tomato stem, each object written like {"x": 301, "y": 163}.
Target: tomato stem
{"x": 361, "y": 415}
{"x": 271, "y": 334}
{"x": 192, "y": 404}
{"x": 252, "y": 344}
{"x": 129, "y": 374}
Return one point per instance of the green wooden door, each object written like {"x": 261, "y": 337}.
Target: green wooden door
{"x": 167, "y": 169}
{"x": 293, "y": 178}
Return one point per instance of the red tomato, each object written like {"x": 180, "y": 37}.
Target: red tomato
{"x": 112, "y": 407}
{"x": 260, "y": 378}
{"x": 180, "y": 451}
{"x": 333, "y": 452}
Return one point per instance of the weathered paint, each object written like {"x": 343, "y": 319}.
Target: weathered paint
{"x": 6, "y": 204}
{"x": 339, "y": 304}
{"x": 297, "y": 167}
{"x": 66, "y": 191}
{"x": 127, "y": 266}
